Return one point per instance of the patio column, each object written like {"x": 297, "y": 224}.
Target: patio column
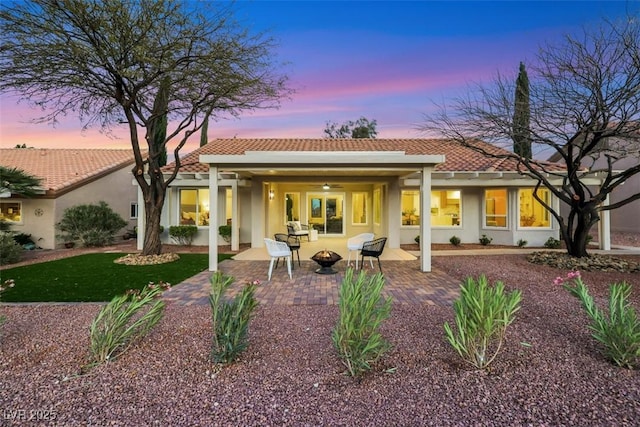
{"x": 605, "y": 227}
{"x": 235, "y": 219}
{"x": 213, "y": 218}
{"x": 425, "y": 219}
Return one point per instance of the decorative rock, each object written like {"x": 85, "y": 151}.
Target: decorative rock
{"x": 594, "y": 262}
{"x": 137, "y": 259}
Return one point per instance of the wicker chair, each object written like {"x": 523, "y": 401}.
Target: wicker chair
{"x": 372, "y": 249}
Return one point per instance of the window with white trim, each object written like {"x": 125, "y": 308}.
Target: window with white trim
{"x": 446, "y": 208}
{"x": 495, "y": 208}
{"x": 194, "y": 206}
{"x": 11, "y": 211}
{"x": 532, "y": 212}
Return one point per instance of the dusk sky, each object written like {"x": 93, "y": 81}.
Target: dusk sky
{"x": 384, "y": 60}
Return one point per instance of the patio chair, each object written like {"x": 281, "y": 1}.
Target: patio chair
{"x": 373, "y": 249}
{"x": 276, "y": 251}
{"x": 355, "y": 244}
{"x": 294, "y": 245}
{"x": 294, "y": 228}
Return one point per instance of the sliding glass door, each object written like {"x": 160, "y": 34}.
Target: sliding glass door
{"x": 326, "y": 212}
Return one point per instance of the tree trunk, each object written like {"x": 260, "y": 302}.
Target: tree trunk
{"x": 152, "y": 242}
{"x": 579, "y": 236}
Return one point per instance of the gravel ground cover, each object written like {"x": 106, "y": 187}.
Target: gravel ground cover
{"x": 549, "y": 374}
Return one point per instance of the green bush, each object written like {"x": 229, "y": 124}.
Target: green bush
{"x": 91, "y": 225}
{"x": 5, "y": 225}
{"x": 417, "y": 239}
{"x": 10, "y": 250}
{"x": 183, "y": 234}
{"x": 552, "y": 243}
{"x": 620, "y": 332}
{"x": 125, "y": 320}
{"x": 225, "y": 232}
{"x": 356, "y": 336}
{"x": 482, "y": 314}
{"x": 454, "y": 240}
{"x": 485, "y": 241}
{"x": 230, "y": 318}
{"x": 522, "y": 243}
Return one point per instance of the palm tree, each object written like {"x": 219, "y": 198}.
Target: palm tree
{"x": 18, "y": 182}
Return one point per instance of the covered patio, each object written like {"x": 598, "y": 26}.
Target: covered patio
{"x": 405, "y": 283}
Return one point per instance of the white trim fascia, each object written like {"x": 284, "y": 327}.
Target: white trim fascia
{"x": 321, "y": 158}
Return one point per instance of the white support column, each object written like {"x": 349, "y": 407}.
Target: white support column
{"x": 235, "y": 218}
{"x": 605, "y": 227}
{"x": 393, "y": 217}
{"x": 140, "y": 222}
{"x": 425, "y": 219}
{"x": 213, "y": 218}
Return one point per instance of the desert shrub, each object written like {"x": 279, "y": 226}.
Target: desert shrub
{"x": 484, "y": 240}
{"x": 356, "y": 336}
{"x": 23, "y": 239}
{"x": 482, "y": 314}
{"x": 91, "y": 225}
{"x": 417, "y": 239}
{"x": 230, "y": 318}
{"x": 10, "y": 250}
{"x": 183, "y": 234}
{"x": 454, "y": 240}
{"x": 9, "y": 283}
{"x": 225, "y": 232}
{"x": 125, "y": 320}
{"x": 552, "y": 243}
{"x": 5, "y": 225}
{"x": 619, "y": 333}
{"x": 522, "y": 243}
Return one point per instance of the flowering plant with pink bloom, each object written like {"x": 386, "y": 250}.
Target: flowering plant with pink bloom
{"x": 619, "y": 333}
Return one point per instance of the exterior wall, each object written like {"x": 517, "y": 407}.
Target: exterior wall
{"x": 116, "y": 189}
{"x": 171, "y": 215}
{"x": 626, "y": 218}
{"x": 253, "y": 228}
{"x": 41, "y": 228}
{"x": 472, "y": 223}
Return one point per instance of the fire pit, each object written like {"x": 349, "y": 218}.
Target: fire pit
{"x": 326, "y": 259}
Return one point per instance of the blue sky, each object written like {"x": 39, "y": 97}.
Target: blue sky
{"x": 384, "y": 60}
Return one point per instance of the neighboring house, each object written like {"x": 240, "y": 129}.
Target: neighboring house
{"x": 69, "y": 177}
{"x": 626, "y": 218}
{"x": 350, "y": 186}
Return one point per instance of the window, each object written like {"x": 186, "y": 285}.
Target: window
{"x": 11, "y": 211}
{"x": 446, "y": 208}
{"x": 410, "y": 200}
{"x": 194, "y": 207}
{"x": 532, "y": 213}
{"x": 377, "y": 206}
{"x": 291, "y": 207}
{"x": 495, "y": 207}
{"x": 133, "y": 210}
{"x": 359, "y": 208}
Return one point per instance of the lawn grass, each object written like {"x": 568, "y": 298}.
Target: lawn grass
{"x": 95, "y": 277}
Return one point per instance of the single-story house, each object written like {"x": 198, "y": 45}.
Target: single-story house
{"x": 69, "y": 177}
{"x": 397, "y": 188}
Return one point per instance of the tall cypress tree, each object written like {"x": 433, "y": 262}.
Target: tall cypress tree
{"x": 521, "y": 116}
{"x": 203, "y": 132}
{"x": 159, "y": 123}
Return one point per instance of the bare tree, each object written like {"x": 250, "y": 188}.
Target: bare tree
{"x": 107, "y": 60}
{"x": 584, "y": 106}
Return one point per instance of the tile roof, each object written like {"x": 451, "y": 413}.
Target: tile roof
{"x": 64, "y": 169}
{"x": 457, "y": 157}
